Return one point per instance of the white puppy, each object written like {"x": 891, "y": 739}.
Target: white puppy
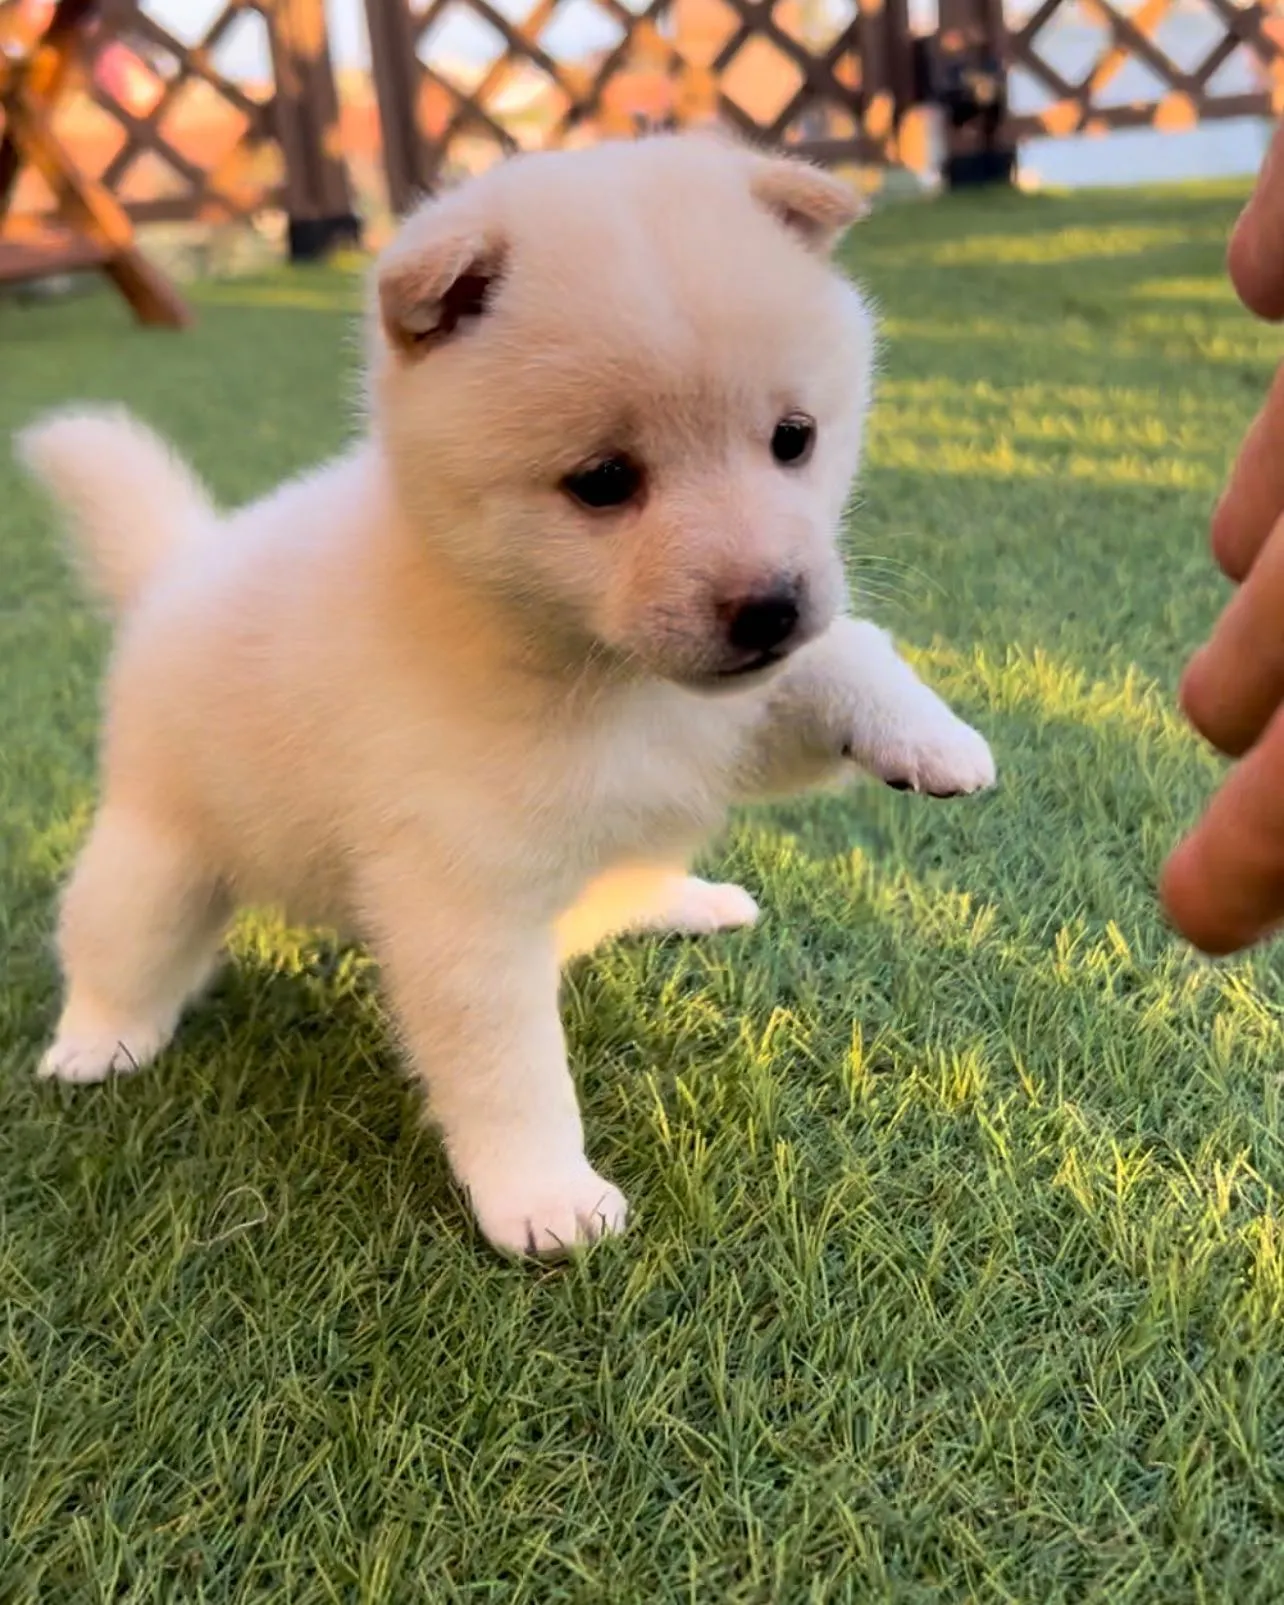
{"x": 478, "y": 689}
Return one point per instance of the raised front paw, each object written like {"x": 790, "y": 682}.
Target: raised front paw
{"x": 932, "y": 751}
{"x": 549, "y": 1213}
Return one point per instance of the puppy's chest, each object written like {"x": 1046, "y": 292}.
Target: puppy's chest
{"x": 639, "y": 784}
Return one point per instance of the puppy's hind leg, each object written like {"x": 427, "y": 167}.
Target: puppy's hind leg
{"x": 138, "y": 934}
{"x": 651, "y": 897}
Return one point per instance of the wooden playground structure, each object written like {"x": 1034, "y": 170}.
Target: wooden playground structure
{"x": 90, "y": 228}
{"x": 163, "y": 130}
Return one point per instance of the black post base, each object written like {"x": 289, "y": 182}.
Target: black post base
{"x": 979, "y": 167}
{"x": 313, "y": 238}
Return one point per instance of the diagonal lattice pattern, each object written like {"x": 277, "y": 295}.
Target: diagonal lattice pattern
{"x": 828, "y": 77}
{"x": 204, "y": 146}
{"x": 164, "y": 118}
{"x": 1144, "y": 70}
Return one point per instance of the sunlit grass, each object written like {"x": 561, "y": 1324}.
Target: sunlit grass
{"x": 1061, "y": 246}
{"x": 293, "y": 296}
{"x": 1215, "y": 288}
{"x": 958, "y": 1270}
{"x": 1035, "y": 682}
{"x": 926, "y": 451}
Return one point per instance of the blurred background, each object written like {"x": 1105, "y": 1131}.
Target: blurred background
{"x": 298, "y": 118}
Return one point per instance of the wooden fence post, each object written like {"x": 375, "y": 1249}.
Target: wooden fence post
{"x": 396, "y": 76}
{"x": 969, "y": 66}
{"x": 318, "y": 195}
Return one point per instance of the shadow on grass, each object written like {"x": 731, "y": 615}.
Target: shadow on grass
{"x": 957, "y": 1264}
{"x": 1024, "y": 921}
{"x": 1063, "y": 380}
{"x": 1041, "y": 466}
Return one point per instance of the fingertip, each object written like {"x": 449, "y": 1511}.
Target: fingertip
{"x": 1254, "y": 258}
{"x": 1254, "y": 270}
{"x": 1189, "y": 898}
{"x": 1254, "y": 495}
{"x": 1226, "y": 536}
{"x": 1191, "y": 692}
{"x": 1223, "y": 886}
{"x": 1216, "y": 710}
{"x": 1179, "y": 894}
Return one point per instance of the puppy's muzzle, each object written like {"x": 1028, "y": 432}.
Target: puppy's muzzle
{"x": 759, "y": 629}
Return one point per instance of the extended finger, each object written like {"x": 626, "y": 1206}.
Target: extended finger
{"x": 1256, "y": 253}
{"x": 1254, "y": 497}
{"x": 1233, "y": 684}
{"x": 1223, "y": 887}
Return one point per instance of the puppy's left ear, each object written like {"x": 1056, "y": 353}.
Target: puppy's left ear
{"x": 436, "y": 278}
{"x": 815, "y": 205}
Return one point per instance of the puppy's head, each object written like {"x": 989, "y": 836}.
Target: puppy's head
{"x": 622, "y": 390}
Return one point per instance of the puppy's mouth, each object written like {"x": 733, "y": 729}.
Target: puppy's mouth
{"x": 736, "y": 675}
{"x": 758, "y": 664}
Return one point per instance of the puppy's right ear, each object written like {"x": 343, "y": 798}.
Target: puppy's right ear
{"x": 437, "y": 276}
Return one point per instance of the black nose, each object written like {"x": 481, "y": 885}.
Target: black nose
{"x": 763, "y": 623}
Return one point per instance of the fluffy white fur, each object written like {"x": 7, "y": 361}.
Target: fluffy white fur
{"x": 423, "y": 695}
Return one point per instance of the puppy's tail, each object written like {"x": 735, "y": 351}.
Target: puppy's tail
{"x": 130, "y": 501}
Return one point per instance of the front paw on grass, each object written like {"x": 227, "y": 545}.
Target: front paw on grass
{"x": 550, "y": 1218}
{"x": 940, "y": 796}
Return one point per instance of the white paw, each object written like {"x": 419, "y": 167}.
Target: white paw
{"x": 701, "y": 907}
{"x": 549, "y": 1215}
{"x": 81, "y": 1057}
{"x": 932, "y": 752}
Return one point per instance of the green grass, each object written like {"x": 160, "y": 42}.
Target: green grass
{"x": 958, "y": 1268}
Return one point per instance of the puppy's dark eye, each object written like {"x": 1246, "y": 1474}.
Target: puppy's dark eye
{"x": 793, "y": 438}
{"x": 609, "y": 482}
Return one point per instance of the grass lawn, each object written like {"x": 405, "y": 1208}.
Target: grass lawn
{"x": 958, "y": 1265}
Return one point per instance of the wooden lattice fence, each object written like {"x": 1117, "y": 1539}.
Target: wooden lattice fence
{"x": 159, "y": 119}
{"x": 834, "y": 79}
{"x": 174, "y": 132}
{"x": 1211, "y": 60}
{"x": 831, "y": 80}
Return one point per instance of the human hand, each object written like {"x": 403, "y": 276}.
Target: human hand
{"x": 1223, "y": 887}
